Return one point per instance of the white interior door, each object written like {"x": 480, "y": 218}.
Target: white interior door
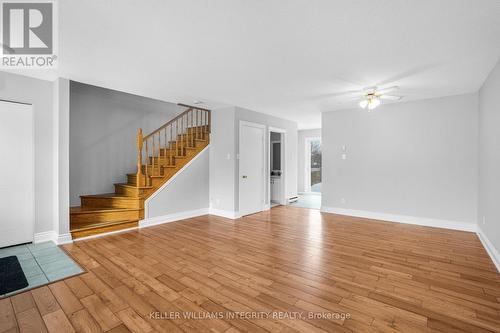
{"x": 17, "y": 174}
{"x": 251, "y": 168}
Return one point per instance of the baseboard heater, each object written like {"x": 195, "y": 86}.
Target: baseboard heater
{"x": 293, "y": 199}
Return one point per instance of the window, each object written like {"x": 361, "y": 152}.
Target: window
{"x": 315, "y": 166}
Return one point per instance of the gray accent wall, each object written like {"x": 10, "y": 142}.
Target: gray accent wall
{"x": 301, "y": 155}
{"x": 416, "y": 159}
{"x": 187, "y": 191}
{"x": 489, "y": 158}
{"x": 40, "y": 94}
{"x": 103, "y": 128}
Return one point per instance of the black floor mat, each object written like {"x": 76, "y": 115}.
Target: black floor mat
{"x": 12, "y": 277}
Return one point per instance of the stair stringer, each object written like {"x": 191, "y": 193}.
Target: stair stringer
{"x": 149, "y": 220}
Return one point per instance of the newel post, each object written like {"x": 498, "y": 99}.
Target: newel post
{"x": 139, "y": 157}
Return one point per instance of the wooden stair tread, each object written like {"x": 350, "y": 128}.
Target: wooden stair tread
{"x": 93, "y": 210}
{"x": 133, "y": 186}
{"x": 108, "y": 195}
{"x": 153, "y": 176}
{"x": 91, "y": 226}
{"x": 166, "y": 166}
{"x": 163, "y": 157}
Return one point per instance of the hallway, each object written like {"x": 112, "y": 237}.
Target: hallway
{"x": 308, "y": 200}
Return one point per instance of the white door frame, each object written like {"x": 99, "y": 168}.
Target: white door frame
{"x": 284, "y": 170}
{"x": 307, "y": 164}
{"x": 31, "y": 125}
{"x": 263, "y": 127}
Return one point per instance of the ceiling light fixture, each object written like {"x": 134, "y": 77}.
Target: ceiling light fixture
{"x": 374, "y": 102}
{"x": 370, "y": 102}
{"x": 372, "y": 97}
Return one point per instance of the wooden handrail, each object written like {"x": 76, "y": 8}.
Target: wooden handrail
{"x": 166, "y": 124}
{"x": 181, "y": 131}
{"x": 192, "y": 107}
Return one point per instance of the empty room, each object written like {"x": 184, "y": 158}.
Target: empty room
{"x": 250, "y": 166}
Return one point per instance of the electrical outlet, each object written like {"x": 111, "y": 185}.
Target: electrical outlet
{"x": 342, "y": 201}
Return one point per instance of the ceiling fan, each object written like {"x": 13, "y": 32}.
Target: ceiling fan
{"x": 371, "y": 96}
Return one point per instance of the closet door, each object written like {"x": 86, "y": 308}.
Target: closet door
{"x": 16, "y": 174}
{"x": 251, "y": 170}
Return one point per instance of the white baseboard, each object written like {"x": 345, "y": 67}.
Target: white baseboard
{"x": 149, "y": 222}
{"x": 64, "y": 239}
{"x": 52, "y": 236}
{"x": 428, "y": 222}
{"x": 229, "y": 214}
{"x": 46, "y": 236}
{"x": 490, "y": 248}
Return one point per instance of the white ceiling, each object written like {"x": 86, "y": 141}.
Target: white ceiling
{"x": 286, "y": 58}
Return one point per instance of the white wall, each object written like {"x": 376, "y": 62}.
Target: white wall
{"x": 301, "y": 158}
{"x": 103, "y": 128}
{"x": 222, "y": 160}
{"x": 187, "y": 191}
{"x": 39, "y": 93}
{"x": 489, "y": 158}
{"x": 416, "y": 159}
{"x": 61, "y": 160}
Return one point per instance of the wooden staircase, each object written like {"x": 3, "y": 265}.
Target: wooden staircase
{"x": 160, "y": 155}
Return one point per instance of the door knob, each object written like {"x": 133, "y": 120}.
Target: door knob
{"x": 244, "y": 177}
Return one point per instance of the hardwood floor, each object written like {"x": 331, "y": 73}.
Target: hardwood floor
{"x": 369, "y": 276}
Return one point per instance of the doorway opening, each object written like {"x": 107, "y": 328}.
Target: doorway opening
{"x": 276, "y": 167}
{"x": 311, "y": 197}
{"x": 313, "y": 165}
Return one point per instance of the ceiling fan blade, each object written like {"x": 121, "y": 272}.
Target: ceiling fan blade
{"x": 356, "y": 98}
{"x": 391, "y": 97}
{"x": 345, "y": 93}
{"x": 369, "y": 90}
{"x": 387, "y": 90}
{"x": 336, "y": 94}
